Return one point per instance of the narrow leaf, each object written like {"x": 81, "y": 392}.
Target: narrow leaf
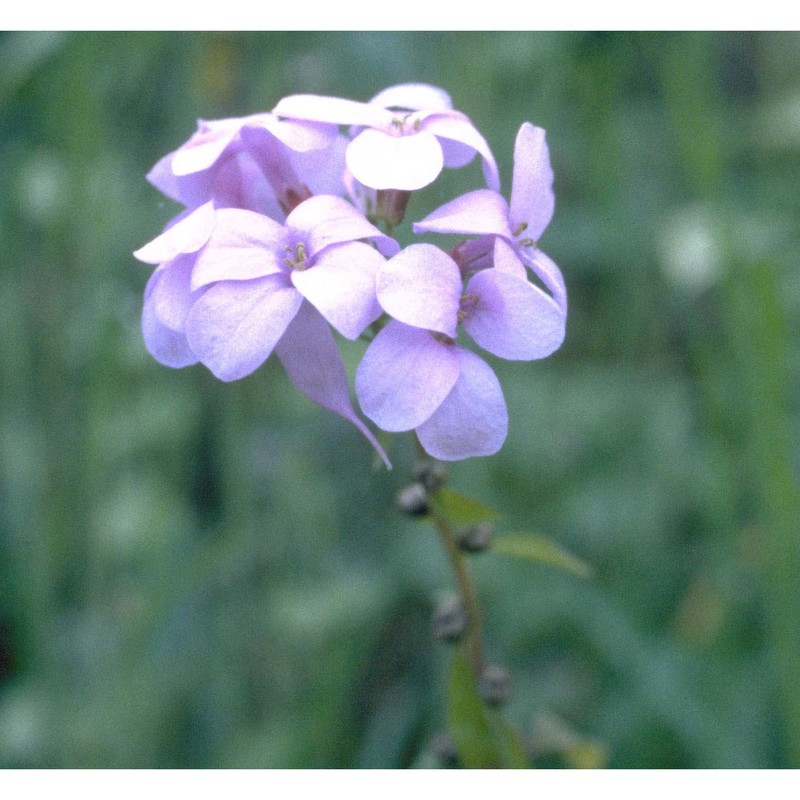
{"x": 460, "y": 510}
{"x": 533, "y": 547}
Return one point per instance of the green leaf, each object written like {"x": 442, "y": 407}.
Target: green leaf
{"x": 586, "y": 755}
{"x": 460, "y": 510}
{"x": 533, "y": 547}
{"x": 483, "y": 739}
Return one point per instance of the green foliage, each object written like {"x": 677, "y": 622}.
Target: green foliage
{"x": 483, "y": 740}
{"x": 459, "y": 510}
{"x": 540, "y": 549}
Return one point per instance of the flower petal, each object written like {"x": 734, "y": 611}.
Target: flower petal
{"x": 323, "y": 170}
{"x": 336, "y": 110}
{"x": 341, "y": 285}
{"x": 238, "y": 181}
{"x": 185, "y": 234}
{"x": 205, "y": 146}
{"x": 421, "y": 286}
{"x": 167, "y": 346}
{"x": 404, "y": 376}
{"x": 382, "y": 161}
{"x": 298, "y": 135}
{"x": 325, "y": 220}
{"x": 547, "y": 270}
{"x": 507, "y": 259}
{"x": 191, "y": 190}
{"x": 414, "y": 97}
{"x": 480, "y": 212}
{"x": 312, "y": 361}
{"x": 171, "y": 295}
{"x": 458, "y": 128}
{"x": 532, "y": 198}
{"x": 235, "y": 325}
{"x": 244, "y": 245}
{"x": 473, "y": 418}
{"x": 512, "y": 318}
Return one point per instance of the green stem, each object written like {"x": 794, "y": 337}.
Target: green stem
{"x": 474, "y": 631}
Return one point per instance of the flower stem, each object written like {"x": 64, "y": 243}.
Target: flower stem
{"x": 473, "y": 634}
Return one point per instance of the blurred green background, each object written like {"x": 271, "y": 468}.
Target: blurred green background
{"x": 199, "y": 574}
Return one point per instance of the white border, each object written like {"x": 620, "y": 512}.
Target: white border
{"x": 399, "y": 15}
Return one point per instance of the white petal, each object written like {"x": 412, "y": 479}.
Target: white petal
{"x": 336, "y": 110}
{"x": 382, "y": 161}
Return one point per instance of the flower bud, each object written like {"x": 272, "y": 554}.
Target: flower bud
{"x": 450, "y": 620}
{"x": 390, "y": 205}
{"x": 431, "y": 474}
{"x": 475, "y": 538}
{"x": 413, "y": 500}
{"x": 494, "y": 685}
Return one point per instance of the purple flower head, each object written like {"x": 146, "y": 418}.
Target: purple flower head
{"x": 402, "y": 138}
{"x": 515, "y": 227}
{"x": 258, "y": 162}
{"x": 233, "y": 285}
{"x": 268, "y": 255}
{"x": 415, "y": 376}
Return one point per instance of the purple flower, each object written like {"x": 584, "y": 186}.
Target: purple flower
{"x": 233, "y": 285}
{"x": 232, "y": 280}
{"x": 258, "y": 162}
{"x": 509, "y": 231}
{"x": 402, "y": 138}
{"x": 415, "y": 376}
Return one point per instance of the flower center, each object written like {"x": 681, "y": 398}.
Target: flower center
{"x": 527, "y": 241}
{"x": 466, "y": 306}
{"x": 296, "y": 258}
{"x": 401, "y": 125}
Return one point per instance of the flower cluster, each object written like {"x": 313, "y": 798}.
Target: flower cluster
{"x": 285, "y": 237}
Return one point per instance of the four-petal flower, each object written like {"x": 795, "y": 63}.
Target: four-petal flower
{"x": 402, "y": 138}
{"x": 415, "y": 376}
{"x": 520, "y": 223}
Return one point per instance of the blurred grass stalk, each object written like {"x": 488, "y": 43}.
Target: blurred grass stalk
{"x": 754, "y": 327}
{"x": 757, "y": 328}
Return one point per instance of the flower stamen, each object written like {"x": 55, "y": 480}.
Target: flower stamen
{"x": 299, "y": 260}
{"x": 467, "y": 305}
